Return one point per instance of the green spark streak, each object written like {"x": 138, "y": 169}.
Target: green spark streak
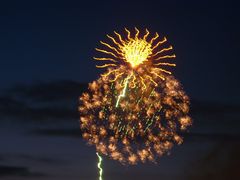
{"x": 123, "y": 92}
{"x": 149, "y": 124}
{"x": 112, "y": 86}
{"x": 99, "y": 166}
{"x": 139, "y": 100}
{"x": 151, "y": 93}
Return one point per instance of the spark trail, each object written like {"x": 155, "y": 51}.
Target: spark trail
{"x": 124, "y": 91}
{"x": 99, "y": 166}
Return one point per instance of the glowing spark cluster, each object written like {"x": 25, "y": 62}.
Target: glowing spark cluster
{"x": 134, "y": 111}
{"x": 136, "y": 51}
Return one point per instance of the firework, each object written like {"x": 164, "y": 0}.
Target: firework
{"x": 134, "y": 111}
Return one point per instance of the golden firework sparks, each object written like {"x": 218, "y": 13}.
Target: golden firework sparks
{"x": 135, "y": 51}
{"x": 134, "y": 111}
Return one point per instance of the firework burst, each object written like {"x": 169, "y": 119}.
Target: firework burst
{"x": 134, "y": 111}
{"x": 143, "y": 55}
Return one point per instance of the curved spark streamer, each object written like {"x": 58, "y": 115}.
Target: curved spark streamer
{"x": 128, "y": 34}
{"x": 137, "y": 33}
{"x": 153, "y": 39}
{"x": 114, "y": 41}
{"x": 119, "y": 36}
{"x": 106, "y": 65}
{"x": 107, "y": 52}
{"x": 110, "y": 47}
{"x": 117, "y": 76}
{"x": 157, "y": 75}
{"x": 165, "y": 57}
{"x": 159, "y": 43}
{"x": 146, "y": 35}
{"x": 166, "y": 64}
{"x": 104, "y": 59}
{"x": 110, "y": 72}
{"x": 163, "y": 50}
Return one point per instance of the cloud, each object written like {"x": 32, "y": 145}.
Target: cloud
{"x": 18, "y": 171}
{"x": 53, "y": 100}
{"x": 1, "y": 158}
{"x": 220, "y": 163}
{"x": 59, "y": 100}
{"x": 201, "y": 107}
{"x": 217, "y": 137}
{"x": 39, "y": 158}
{"x": 57, "y": 132}
{"x": 51, "y": 91}
{"x": 12, "y": 108}
{"x": 188, "y": 136}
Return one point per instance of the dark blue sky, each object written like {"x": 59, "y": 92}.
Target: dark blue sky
{"x": 55, "y": 40}
{"x": 46, "y": 50}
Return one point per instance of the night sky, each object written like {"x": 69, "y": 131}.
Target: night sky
{"x": 46, "y": 50}
{"x": 55, "y": 40}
